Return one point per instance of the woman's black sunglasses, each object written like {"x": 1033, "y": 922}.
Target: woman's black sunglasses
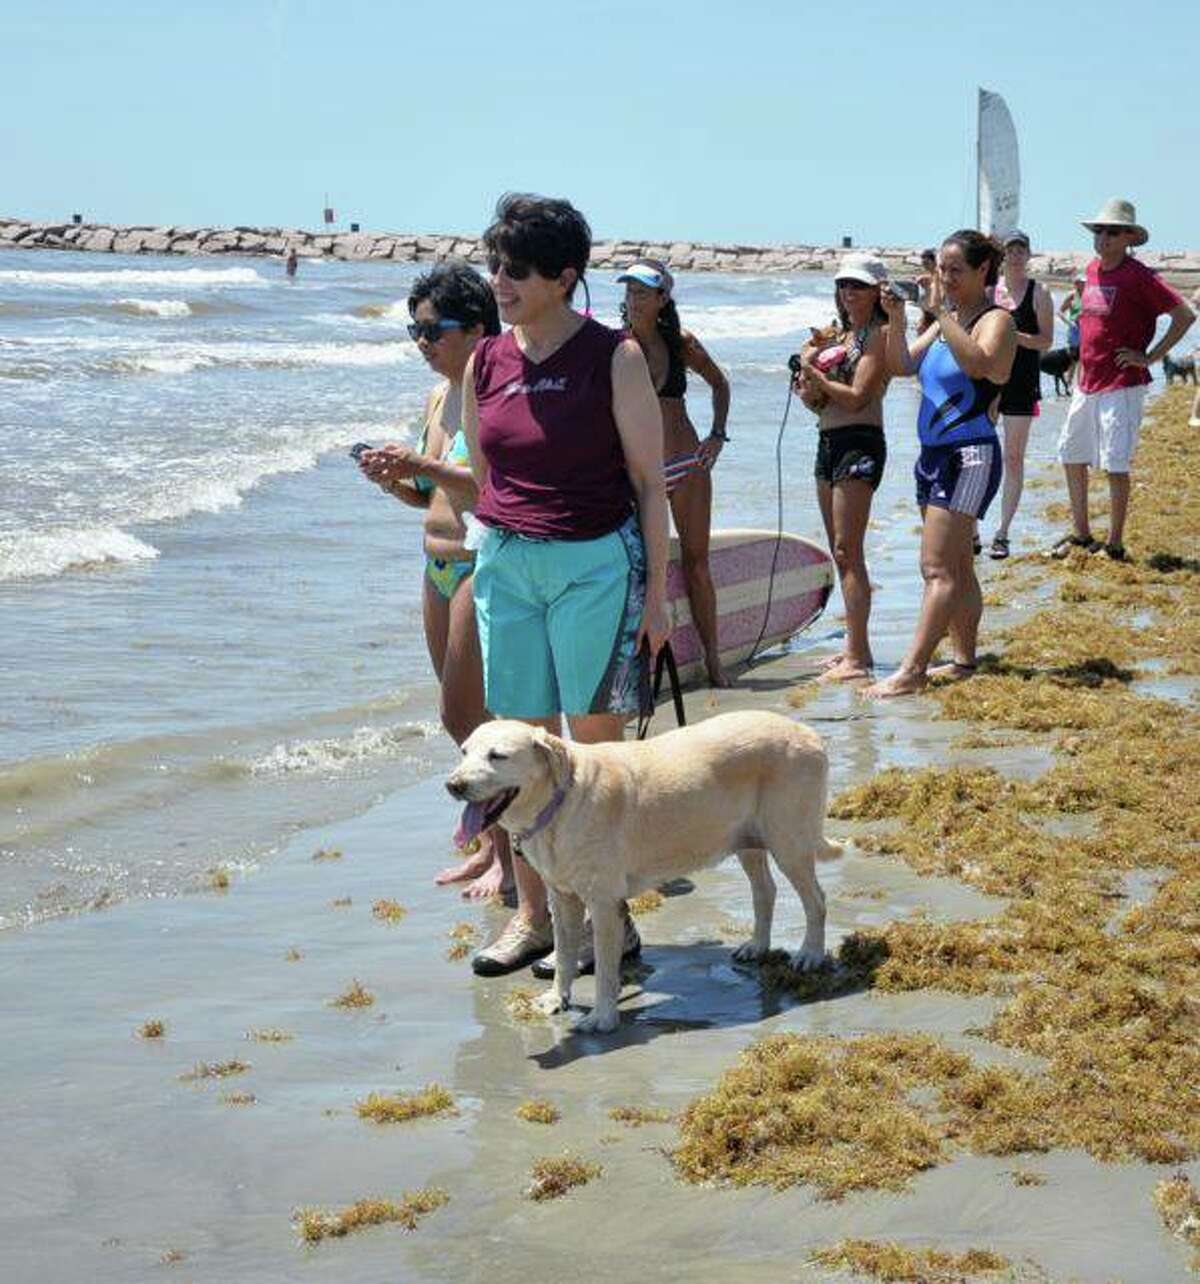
{"x": 432, "y": 331}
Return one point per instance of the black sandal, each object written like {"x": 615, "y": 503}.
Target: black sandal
{"x": 1115, "y": 552}
{"x": 999, "y": 549}
{"x": 1065, "y": 546}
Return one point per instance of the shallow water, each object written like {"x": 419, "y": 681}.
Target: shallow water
{"x": 212, "y": 633}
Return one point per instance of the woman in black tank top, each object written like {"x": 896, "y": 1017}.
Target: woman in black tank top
{"x": 1033, "y": 314}
{"x": 650, "y": 315}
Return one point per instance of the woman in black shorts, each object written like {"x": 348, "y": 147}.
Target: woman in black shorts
{"x": 1033, "y": 314}
{"x": 844, "y": 382}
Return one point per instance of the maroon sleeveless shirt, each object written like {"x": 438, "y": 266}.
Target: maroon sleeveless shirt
{"x": 556, "y": 469}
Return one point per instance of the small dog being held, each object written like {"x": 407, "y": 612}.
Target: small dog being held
{"x": 828, "y": 351}
{"x": 1058, "y": 362}
{"x": 1181, "y": 368}
{"x": 602, "y": 822}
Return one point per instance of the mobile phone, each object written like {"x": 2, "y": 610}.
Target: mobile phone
{"x": 356, "y": 451}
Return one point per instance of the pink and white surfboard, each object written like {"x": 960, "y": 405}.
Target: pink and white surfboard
{"x": 741, "y": 568}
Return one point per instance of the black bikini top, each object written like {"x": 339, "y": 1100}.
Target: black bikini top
{"x": 675, "y": 384}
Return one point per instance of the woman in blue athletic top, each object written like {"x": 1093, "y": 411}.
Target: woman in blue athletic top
{"x": 962, "y": 361}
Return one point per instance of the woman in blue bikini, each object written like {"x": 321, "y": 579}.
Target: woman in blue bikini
{"x": 452, "y": 308}
{"x": 962, "y": 360}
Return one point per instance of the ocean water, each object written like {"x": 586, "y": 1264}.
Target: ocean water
{"x": 211, "y": 633}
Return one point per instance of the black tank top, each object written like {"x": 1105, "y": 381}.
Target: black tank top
{"x": 1026, "y": 370}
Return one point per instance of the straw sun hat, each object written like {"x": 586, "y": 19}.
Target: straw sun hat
{"x": 1118, "y": 213}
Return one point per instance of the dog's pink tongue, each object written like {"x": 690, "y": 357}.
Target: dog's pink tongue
{"x": 471, "y": 823}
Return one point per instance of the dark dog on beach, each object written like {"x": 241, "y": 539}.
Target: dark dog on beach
{"x": 1058, "y": 362}
{"x": 1181, "y": 368}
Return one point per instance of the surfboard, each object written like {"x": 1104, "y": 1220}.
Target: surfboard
{"x": 740, "y": 561}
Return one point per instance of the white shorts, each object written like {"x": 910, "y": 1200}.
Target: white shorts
{"x": 1101, "y": 428}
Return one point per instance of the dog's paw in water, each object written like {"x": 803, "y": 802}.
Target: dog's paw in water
{"x": 597, "y": 1022}
{"x": 550, "y": 1003}
{"x": 749, "y": 952}
{"x": 808, "y": 959}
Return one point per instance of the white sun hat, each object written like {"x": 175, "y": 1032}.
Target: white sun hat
{"x": 1118, "y": 213}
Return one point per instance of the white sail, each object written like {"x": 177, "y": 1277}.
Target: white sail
{"x": 999, "y": 196}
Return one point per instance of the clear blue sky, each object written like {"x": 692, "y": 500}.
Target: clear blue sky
{"x": 756, "y": 121}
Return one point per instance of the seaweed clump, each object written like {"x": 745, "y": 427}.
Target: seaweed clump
{"x": 884, "y": 1260}
{"x": 356, "y": 995}
{"x": 387, "y": 911}
{"x": 315, "y": 1224}
{"x": 553, "y": 1177}
{"x": 636, "y": 1116}
{"x": 1178, "y": 1204}
{"x": 837, "y": 1116}
{"x": 215, "y": 1069}
{"x": 521, "y": 1004}
{"x": 646, "y": 903}
{"x": 269, "y": 1036}
{"x": 155, "y": 1028}
{"x": 539, "y": 1111}
{"x": 382, "y": 1108}
{"x": 462, "y": 938}
{"x": 327, "y": 853}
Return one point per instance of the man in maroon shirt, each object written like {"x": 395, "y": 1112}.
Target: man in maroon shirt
{"x": 1122, "y": 302}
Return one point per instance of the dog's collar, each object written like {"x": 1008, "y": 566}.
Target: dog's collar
{"x": 544, "y": 817}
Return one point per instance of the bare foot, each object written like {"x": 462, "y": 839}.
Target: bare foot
{"x": 902, "y": 682}
{"x": 831, "y": 661}
{"x": 846, "y": 670}
{"x": 476, "y": 864}
{"x": 953, "y": 671}
{"x": 717, "y": 677}
{"x": 491, "y": 883}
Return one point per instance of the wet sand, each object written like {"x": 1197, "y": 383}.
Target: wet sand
{"x": 113, "y": 1161}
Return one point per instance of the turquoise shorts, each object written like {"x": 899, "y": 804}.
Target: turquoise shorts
{"x": 558, "y": 622}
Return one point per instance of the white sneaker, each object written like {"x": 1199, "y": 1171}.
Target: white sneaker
{"x": 517, "y": 945}
{"x": 631, "y": 947}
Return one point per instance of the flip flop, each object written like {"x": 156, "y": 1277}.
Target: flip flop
{"x": 999, "y": 549}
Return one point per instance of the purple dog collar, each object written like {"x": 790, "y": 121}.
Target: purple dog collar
{"x": 544, "y": 817}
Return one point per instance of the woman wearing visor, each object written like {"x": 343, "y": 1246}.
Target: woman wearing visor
{"x": 670, "y": 351}
{"x": 844, "y": 384}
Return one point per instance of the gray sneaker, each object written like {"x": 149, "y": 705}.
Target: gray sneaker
{"x": 517, "y": 945}
{"x": 631, "y": 947}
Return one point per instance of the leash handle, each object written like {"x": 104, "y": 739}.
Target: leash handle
{"x": 649, "y": 694}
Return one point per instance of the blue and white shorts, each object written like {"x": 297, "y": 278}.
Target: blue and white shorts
{"x": 963, "y": 479}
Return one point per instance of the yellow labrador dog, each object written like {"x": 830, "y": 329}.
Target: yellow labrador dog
{"x": 601, "y": 823}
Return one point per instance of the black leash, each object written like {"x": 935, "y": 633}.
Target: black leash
{"x": 648, "y": 694}
{"x": 762, "y": 633}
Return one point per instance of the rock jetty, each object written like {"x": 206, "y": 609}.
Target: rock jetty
{"x": 1181, "y": 268}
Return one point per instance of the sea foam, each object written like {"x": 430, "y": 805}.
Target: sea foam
{"x": 118, "y": 277}
{"x": 34, "y": 555}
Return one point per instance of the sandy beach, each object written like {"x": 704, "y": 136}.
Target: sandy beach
{"x": 119, "y": 1169}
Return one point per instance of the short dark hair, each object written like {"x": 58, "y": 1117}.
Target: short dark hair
{"x": 978, "y": 249}
{"x": 548, "y": 233}
{"x": 458, "y": 293}
{"x": 929, "y": 254}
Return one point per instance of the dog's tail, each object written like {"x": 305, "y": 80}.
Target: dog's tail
{"x": 827, "y": 850}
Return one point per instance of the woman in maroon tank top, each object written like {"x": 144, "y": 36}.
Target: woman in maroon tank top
{"x": 565, "y": 435}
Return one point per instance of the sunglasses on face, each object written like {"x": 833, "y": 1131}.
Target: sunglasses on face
{"x": 514, "y": 269}
{"x": 432, "y": 331}
{"x": 854, "y": 285}
{"x": 1111, "y": 231}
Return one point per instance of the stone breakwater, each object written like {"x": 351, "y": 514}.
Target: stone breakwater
{"x": 1181, "y": 268}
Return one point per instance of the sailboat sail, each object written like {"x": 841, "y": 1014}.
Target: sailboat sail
{"x": 999, "y": 193}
